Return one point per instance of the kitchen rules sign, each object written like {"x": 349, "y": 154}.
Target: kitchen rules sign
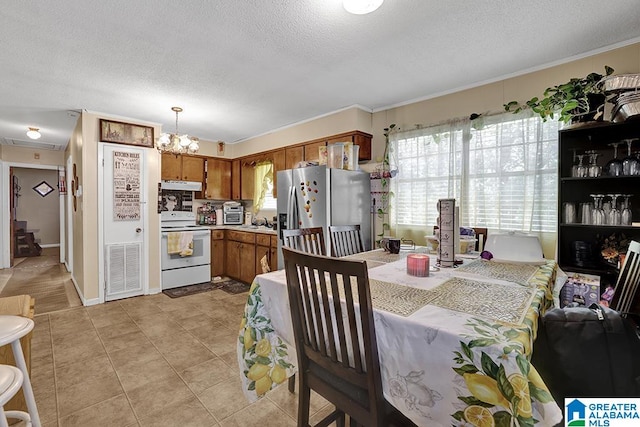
{"x": 126, "y": 186}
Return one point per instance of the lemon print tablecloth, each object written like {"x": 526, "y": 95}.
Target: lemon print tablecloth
{"x": 440, "y": 366}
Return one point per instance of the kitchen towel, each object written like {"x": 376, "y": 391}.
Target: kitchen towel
{"x": 180, "y": 243}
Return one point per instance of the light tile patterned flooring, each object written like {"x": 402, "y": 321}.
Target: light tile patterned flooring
{"x": 150, "y": 361}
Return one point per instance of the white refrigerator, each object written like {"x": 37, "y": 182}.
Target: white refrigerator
{"x": 319, "y": 196}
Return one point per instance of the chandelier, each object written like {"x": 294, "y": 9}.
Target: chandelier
{"x": 176, "y": 143}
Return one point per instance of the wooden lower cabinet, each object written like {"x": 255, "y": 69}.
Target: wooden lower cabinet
{"x": 243, "y": 252}
{"x": 218, "y": 257}
{"x": 273, "y": 259}
{"x": 241, "y": 255}
{"x": 262, "y": 251}
{"x": 266, "y": 245}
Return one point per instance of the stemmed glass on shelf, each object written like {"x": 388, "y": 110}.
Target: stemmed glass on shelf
{"x": 630, "y": 164}
{"x": 614, "y": 215}
{"x": 597, "y": 215}
{"x": 614, "y": 166}
{"x": 625, "y": 217}
{"x": 582, "y": 171}
{"x": 594, "y": 169}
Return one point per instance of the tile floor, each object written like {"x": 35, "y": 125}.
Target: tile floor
{"x": 150, "y": 361}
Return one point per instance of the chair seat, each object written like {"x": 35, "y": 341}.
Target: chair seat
{"x": 10, "y": 382}
{"x": 13, "y": 328}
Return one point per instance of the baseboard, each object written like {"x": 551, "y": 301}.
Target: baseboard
{"x": 50, "y": 245}
{"x": 85, "y": 302}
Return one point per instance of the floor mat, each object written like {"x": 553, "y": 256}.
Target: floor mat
{"x": 230, "y": 286}
{"x": 184, "y": 291}
{"x": 233, "y": 286}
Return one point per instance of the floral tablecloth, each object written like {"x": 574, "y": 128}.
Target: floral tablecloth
{"x": 439, "y": 366}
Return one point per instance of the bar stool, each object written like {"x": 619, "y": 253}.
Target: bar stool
{"x": 12, "y": 328}
{"x": 11, "y": 380}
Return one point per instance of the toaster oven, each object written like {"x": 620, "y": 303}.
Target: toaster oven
{"x": 232, "y": 215}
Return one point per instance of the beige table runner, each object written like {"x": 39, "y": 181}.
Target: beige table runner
{"x": 518, "y": 273}
{"x": 399, "y": 299}
{"x": 506, "y": 303}
{"x": 378, "y": 256}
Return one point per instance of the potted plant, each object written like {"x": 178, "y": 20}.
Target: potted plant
{"x": 579, "y": 99}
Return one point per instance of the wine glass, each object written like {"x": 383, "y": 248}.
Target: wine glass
{"x": 582, "y": 170}
{"x": 614, "y": 166}
{"x": 625, "y": 217}
{"x": 614, "y": 215}
{"x": 594, "y": 169}
{"x": 630, "y": 165}
{"x": 574, "y": 166}
{"x": 597, "y": 215}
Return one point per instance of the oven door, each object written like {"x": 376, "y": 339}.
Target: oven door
{"x": 201, "y": 252}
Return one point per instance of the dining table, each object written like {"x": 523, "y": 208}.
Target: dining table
{"x": 454, "y": 347}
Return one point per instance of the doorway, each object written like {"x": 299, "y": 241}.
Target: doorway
{"x": 49, "y": 178}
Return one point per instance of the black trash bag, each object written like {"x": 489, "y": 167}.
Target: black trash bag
{"x": 588, "y": 352}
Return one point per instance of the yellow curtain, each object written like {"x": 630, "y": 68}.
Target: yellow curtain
{"x": 263, "y": 174}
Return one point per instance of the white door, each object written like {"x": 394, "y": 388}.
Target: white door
{"x": 124, "y": 205}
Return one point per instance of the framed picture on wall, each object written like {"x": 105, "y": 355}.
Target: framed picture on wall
{"x": 126, "y": 133}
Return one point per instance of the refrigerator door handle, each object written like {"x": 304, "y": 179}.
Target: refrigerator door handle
{"x": 292, "y": 208}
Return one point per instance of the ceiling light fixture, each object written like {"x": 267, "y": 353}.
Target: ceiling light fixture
{"x": 361, "y": 7}
{"x": 33, "y": 133}
{"x": 176, "y": 143}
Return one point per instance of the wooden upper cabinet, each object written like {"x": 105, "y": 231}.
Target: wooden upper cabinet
{"x": 311, "y": 151}
{"x": 279, "y": 163}
{"x": 171, "y": 167}
{"x": 247, "y": 178}
{"x": 192, "y": 169}
{"x": 218, "y": 182}
{"x": 182, "y": 168}
{"x": 235, "y": 179}
{"x": 293, "y": 156}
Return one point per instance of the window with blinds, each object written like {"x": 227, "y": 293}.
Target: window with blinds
{"x": 502, "y": 171}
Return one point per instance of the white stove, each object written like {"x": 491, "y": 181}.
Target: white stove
{"x": 179, "y": 221}
{"x": 180, "y": 270}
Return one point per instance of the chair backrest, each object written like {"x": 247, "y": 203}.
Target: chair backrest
{"x": 334, "y": 332}
{"x": 625, "y": 297}
{"x": 481, "y": 236}
{"x": 345, "y": 240}
{"x": 310, "y": 240}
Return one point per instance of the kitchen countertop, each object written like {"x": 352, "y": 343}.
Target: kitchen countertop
{"x": 248, "y": 228}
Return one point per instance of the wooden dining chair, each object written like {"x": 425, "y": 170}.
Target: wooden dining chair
{"x": 310, "y": 240}
{"x": 335, "y": 340}
{"x": 481, "y": 235}
{"x": 345, "y": 240}
{"x": 625, "y": 297}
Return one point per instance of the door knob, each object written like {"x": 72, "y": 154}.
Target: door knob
{"x": 138, "y": 230}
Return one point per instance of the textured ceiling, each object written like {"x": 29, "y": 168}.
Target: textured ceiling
{"x": 243, "y": 68}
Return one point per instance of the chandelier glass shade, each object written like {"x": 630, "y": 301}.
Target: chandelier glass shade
{"x": 176, "y": 143}
{"x": 33, "y": 133}
{"x": 361, "y": 7}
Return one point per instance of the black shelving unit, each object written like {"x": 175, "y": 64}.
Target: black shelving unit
{"x": 597, "y": 137}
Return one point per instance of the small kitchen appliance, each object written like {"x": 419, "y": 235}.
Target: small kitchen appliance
{"x": 233, "y": 213}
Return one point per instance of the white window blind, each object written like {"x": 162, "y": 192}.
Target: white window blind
{"x": 502, "y": 171}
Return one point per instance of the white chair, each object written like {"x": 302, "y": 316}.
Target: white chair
{"x": 625, "y": 298}
{"x": 11, "y": 379}
{"x": 12, "y": 328}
